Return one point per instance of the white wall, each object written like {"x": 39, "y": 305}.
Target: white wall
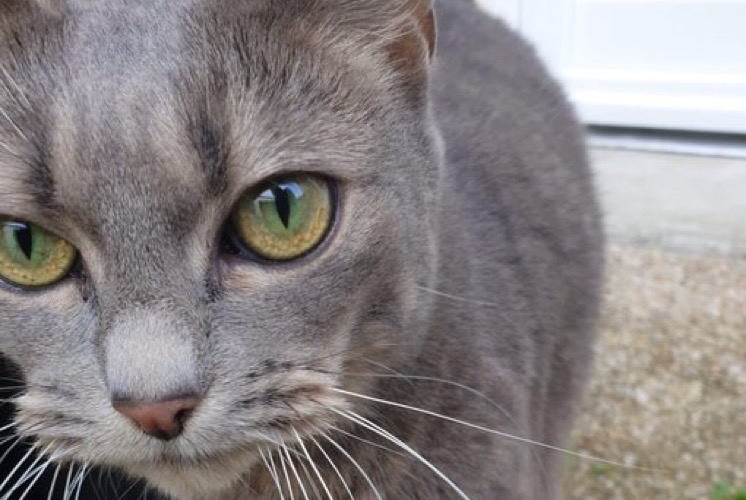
{"x": 675, "y": 64}
{"x": 508, "y": 10}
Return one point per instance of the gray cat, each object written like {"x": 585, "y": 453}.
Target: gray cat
{"x": 289, "y": 249}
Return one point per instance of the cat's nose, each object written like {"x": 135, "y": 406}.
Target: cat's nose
{"x": 161, "y": 419}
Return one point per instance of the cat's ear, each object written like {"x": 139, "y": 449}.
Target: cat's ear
{"x": 414, "y": 48}
{"x": 425, "y": 16}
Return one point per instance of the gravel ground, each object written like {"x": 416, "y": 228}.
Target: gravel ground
{"x": 669, "y": 390}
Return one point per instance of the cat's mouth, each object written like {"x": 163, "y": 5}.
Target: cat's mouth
{"x": 179, "y": 463}
{"x": 180, "y": 475}
{"x": 204, "y": 460}
{"x": 224, "y": 442}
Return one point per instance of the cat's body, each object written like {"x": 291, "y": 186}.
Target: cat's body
{"x": 466, "y": 250}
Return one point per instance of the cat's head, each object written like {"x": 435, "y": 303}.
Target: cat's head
{"x": 211, "y": 212}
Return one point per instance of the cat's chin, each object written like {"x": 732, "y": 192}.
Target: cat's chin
{"x": 213, "y": 477}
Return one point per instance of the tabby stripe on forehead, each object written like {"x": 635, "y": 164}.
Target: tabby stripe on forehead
{"x": 207, "y": 133}
{"x": 39, "y": 181}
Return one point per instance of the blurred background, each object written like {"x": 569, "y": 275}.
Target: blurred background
{"x": 661, "y": 86}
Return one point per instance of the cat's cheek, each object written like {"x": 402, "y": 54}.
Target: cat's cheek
{"x": 34, "y": 321}
{"x": 64, "y": 297}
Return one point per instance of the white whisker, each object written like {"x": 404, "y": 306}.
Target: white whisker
{"x": 7, "y": 452}
{"x": 8, "y": 426}
{"x": 119, "y": 483}
{"x": 285, "y": 471}
{"x": 41, "y": 470}
{"x": 471, "y": 390}
{"x": 272, "y": 472}
{"x": 302, "y": 462}
{"x": 313, "y": 465}
{"x": 333, "y": 466}
{"x": 15, "y": 86}
{"x": 12, "y": 387}
{"x": 30, "y": 471}
{"x": 13, "y": 124}
{"x": 66, "y": 493}
{"x": 380, "y": 365}
{"x": 457, "y": 298}
{"x": 356, "y": 464}
{"x": 79, "y": 480}
{"x": 295, "y": 471}
{"x": 54, "y": 480}
{"x": 18, "y": 465}
{"x": 368, "y": 442}
{"x": 9, "y": 438}
{"x": 495, "y": 432}
{"x": 384, "y": 433}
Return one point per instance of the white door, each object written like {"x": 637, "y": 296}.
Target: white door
{"x": 673, "y": 64}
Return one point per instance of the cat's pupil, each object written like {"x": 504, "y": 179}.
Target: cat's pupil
{"x": 24, "y": 238}
{"x": 282, "y": 203}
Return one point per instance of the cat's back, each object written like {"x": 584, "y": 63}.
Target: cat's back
{"x": 520, "y": 240}
{"x": 515, "y": 154}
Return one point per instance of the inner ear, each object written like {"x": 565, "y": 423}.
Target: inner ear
{"x": 414, "y": 49}
{"x": 427, "y": 26}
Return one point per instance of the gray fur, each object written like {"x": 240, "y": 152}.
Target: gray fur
{"x": 467, "y": 247}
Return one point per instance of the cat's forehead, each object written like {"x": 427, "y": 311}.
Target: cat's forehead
{"x": 101, "y": 129}
{"x": 139, "y": 108}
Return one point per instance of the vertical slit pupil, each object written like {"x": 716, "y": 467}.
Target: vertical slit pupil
{"x": 24, "y": 238}
{"x": 282, "y": 203}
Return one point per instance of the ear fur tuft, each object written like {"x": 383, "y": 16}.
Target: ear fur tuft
{"x": 425, "y": 16}
{"x": 413, "y": 49}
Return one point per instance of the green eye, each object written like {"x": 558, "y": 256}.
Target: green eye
{"x": 285, "y": 218}
{"x": 31, "y": 256}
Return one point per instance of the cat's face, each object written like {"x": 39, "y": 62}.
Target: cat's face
{"x": 134, "y": 131}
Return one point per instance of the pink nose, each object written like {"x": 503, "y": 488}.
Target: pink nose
{"x": 162, "y": 419}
